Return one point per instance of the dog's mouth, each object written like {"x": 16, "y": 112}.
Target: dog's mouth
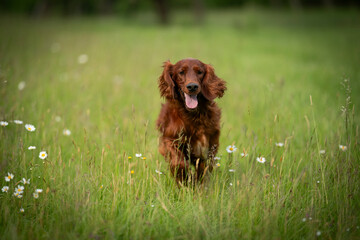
{"x": 191, "y": 101}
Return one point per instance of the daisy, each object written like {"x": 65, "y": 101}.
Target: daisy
{"x": 158, "y": 172}
{"x": 31, "y": 147}
{"x": 129, "y": 157}
{"x": 261, "y": 159}
{"x": 25, "y": 182}
{"x": 101, "y": 187}
{"x": 304, "y": 219}
{"x": 4, "y": 123}
{"x": 138, "y": 155}
{"x": 42, "y": 155}
{"x": 9, "y": 177}
{"x": 21, "y": 85}
{"x": 279, "y": 144}
{"x": 18, "y": 121}
{"x": 217, "y": 158}
{"x": 143, "y": 158}
{"x": 243, "y": 154}
{"x": 318, "y": 233}
{"x": 36, "y": 195}
{"x": 5, "y": 189}
{"x": 343, "y": 148}
{"x": 132, "y": 172}
{"x": 19, "y": 189}
{"x": 83, "y": 58}
{"x": 231, "y": 170}
{"x": 30, "y": 127}
{"x": 67, "y": 132}
{"x": 231, "y": 184}
{"x": 39, "y": 190}
{"x": 218, "y": 164}
{"x": 152, "y": 205}
{"x": 322, "y": 151}
{"x": 18, "y": 195}
{"x": 231, "y": 148}
{"x": 22, "y": 210}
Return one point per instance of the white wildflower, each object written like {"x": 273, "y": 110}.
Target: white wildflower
{"x": 36, "y": 195}
{"x": 83, "y": 58}
{"x": 21, "y": 85}
{"x": 19, "y": 189}
{"x": 18, "y": 122}
{"x": 231, "y": 148}
{"x": 30, "y": 127}
{"x": 158, "y": 172}
{"x": 24, "y": 181}
{"x": 343, "y": 147}
{"x": 66, "y": 132}
{"x": 261, "y": 159}
{"x": 4, "y": 123}
{"x": 42, "y": 155}
{"x": 9, "y": 177}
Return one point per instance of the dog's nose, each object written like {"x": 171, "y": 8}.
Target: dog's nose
{"x": 192, "y": 87}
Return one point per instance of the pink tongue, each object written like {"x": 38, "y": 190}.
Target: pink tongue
{"x": 191, "y": 101}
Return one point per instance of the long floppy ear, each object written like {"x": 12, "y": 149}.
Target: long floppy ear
{"x": 212, "y": 86}
{"x": 166, "y": 84}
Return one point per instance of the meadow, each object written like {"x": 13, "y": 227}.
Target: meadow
{"x": 292, "y": 77}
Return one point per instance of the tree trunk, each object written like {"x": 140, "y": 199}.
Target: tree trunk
{"x": 328, "y": 3}
{"x": 295, "y": 4}
{"x": 199, "y": 11}
{"x": 162, "y": 10}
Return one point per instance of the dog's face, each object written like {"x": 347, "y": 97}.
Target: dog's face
{"x": 188, "y": 75}
{"x": 187, "y": 80}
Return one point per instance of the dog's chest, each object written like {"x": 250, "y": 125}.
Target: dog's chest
{"x": 200, "y": 144}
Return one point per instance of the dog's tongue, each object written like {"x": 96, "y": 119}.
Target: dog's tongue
{"x": 191, "y": 101}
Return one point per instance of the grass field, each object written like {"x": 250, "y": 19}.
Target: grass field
{"x": 272, "y": 61}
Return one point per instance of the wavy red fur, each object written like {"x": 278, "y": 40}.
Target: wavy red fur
{"x": 189, "y": 136}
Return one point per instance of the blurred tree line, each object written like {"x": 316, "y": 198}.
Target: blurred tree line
{"x": 127, "y": 7}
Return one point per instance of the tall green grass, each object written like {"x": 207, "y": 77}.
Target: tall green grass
{"x": 284, "y": 73}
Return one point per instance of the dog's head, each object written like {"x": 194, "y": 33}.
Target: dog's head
{"x": 188, "y": 80}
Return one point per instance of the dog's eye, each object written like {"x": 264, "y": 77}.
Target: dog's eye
{"x": 181, "y": 72}
{"x": 199, "y": 72}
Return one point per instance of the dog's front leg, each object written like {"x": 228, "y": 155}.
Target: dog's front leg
{"x": 179, "y": 166}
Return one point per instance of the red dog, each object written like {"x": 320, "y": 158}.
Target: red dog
{"x": 189, "y": 121}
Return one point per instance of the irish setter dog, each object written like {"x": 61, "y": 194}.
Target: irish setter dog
{"x": 189, "y": 121}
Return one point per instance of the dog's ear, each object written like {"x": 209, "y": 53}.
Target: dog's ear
{"x": 212, "y": 86}
{"x": 166, "y": 83}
